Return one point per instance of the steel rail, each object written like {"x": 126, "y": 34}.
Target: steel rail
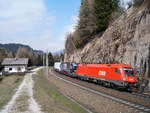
{"x": 141, "y": 95}
{"x": 119, "y": 100}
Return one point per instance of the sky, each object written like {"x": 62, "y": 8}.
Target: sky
{"x": 41, "y": 24}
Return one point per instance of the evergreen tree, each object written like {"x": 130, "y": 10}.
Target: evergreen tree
{"x": 94, "y": 18}
{"x": 86, "y": 26}
{"x": 103, "y": 11}
{"x": 50, "y": 59}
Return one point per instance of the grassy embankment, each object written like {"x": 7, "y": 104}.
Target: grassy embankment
{"x": 50, "y": 99}
{"x": 8, "y": 85}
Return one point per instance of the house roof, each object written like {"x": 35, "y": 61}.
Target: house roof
{"x": 15, "y": 61}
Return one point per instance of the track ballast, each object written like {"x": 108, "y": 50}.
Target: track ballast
{"x": 138, "y": 101}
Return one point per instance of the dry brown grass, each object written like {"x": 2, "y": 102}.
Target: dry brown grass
{"x": 8, "y": 86}
{"x": 50, "y": 99}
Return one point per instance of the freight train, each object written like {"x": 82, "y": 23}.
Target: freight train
{"x": 114, "y": 75}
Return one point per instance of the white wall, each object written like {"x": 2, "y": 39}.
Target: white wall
{"x": 57, "y": 65}
{"x": 15, "y": 69}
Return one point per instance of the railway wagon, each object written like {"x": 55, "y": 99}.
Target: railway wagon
{"x": 57, "y": 66}
{"x": 112, "y": 74}
{"x": 68, "y": 68}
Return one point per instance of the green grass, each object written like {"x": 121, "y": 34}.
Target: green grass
{"x": 50, "y": 99}
{"x": 8, "y": 84}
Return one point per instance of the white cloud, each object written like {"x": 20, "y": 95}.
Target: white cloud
{"x": 29, "y": 22}
{"x": 67, "y": 29}
{"x": 25, "y": 21}
{"x": 124, "y": 3}
{"x": 70, "y": 28}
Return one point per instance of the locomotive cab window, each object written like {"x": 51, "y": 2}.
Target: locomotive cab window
{"x": 128, "y": 71}
{"x": 117, "y": 70}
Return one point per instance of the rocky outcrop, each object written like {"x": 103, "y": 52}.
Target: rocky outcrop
{"x": 126, "y": 41}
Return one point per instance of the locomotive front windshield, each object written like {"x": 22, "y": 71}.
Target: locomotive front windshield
{"x": 128, "y": 71}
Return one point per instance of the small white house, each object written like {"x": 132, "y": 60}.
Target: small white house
{"x": 15, "y": 65}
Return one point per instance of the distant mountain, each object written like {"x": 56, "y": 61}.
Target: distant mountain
{"x": 13, "y": 47}
{"x": 58, "y": 52}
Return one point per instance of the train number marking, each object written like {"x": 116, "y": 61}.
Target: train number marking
{"x": 102, "y": 73}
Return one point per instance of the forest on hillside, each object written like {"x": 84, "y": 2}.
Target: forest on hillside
{"x": 108, "y": 32}
{"x": 94, "y": 18}
{"x": 36, "y": 57}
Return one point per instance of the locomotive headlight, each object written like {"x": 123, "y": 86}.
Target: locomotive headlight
{"x": 124, "y": 78}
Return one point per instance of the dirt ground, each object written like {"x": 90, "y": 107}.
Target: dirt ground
{"x": 8, "y": 86}
{"x": 22, "y": 101}
{"x": 34, "y": 94}
{"x": 93, "y": 102}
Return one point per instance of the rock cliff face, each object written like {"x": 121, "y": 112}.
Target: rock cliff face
{"x": 126, "y": 41}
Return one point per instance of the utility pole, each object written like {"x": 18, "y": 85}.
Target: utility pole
{"x": 47, "y": 60}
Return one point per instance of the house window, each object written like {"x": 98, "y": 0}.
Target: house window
{"x": 10, "y": 69}
{"x": 19, "y": 69}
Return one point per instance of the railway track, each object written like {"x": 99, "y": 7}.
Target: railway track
{"x": 134, "y": 100}
{"x": 141, "y": 95}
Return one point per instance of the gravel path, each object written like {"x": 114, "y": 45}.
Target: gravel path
{"x": 23, "y": 100}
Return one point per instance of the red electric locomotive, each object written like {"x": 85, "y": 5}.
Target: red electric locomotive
{"x": 113, "y": 74}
